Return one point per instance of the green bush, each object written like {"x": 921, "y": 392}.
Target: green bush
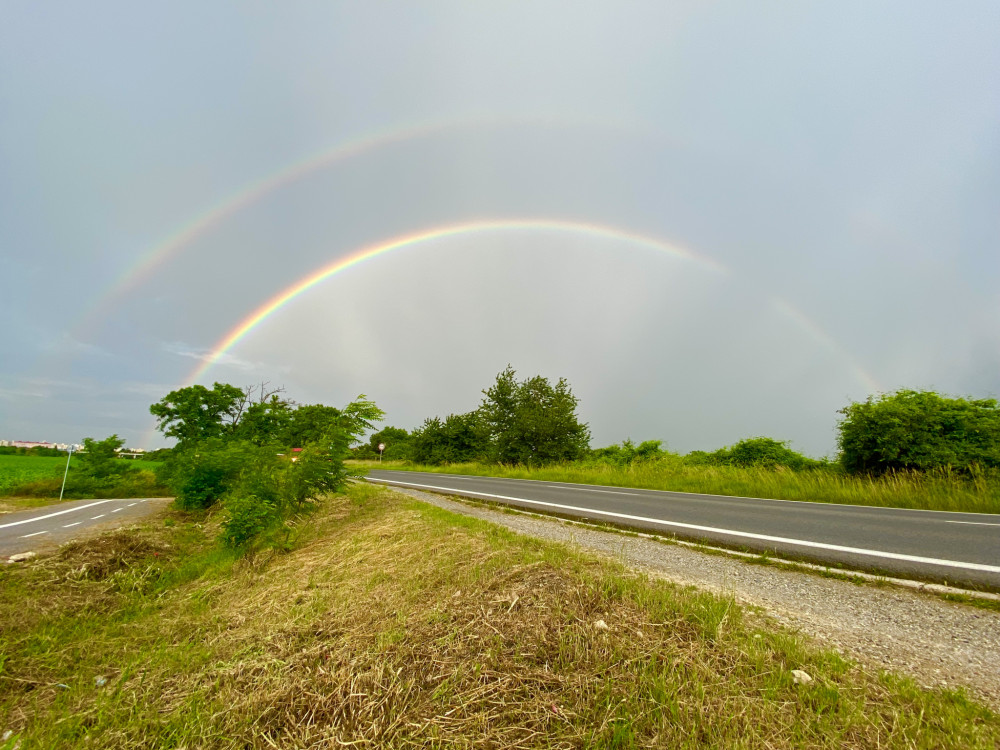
{"x": 247, "y": 516}
{"x": 756, "y": 452}
{"x": 202, "y": 473}
{"x": 919, "y": 430}
{"x": 628, "y": 452}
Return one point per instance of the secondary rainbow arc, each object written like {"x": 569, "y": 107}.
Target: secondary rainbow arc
{"x": 290, "y": 293}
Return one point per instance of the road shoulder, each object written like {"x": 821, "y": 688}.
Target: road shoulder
{"x": 938, "y": 643}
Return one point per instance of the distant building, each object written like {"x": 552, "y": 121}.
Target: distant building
{"x": 39, "y": 444}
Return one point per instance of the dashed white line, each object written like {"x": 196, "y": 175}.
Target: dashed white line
{"x": 51, "y": 515}
{"x": 117, "y": 510}
{"x": 100, "y": 516}
{"x": 71, "y": 525}
{"x": 35, "y": 534}
{"x": 130, "y": 505}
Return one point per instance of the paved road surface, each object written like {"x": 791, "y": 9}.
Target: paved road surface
{"x": 30, "y": 530}
{"x": 954, "y": 547}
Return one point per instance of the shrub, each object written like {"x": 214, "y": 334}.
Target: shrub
{"x": 247, "y": 516}
{"x": 761, "y": 452}
{"x": 919, "y": 430}
{"x": 202, "y": 473}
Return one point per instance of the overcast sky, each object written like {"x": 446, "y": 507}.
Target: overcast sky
{"x": 832, "y": 171}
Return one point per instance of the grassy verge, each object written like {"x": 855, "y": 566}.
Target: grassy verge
{"x": 934, "y": 491}
{"x": 396, "y": 624}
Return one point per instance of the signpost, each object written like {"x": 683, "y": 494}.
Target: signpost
{"x": 381, "y": 447}
{"x": 63, "y": 488}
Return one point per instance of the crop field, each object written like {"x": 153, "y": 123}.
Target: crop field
{"x": 18, "y": 470}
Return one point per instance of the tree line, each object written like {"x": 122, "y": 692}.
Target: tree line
{"x": 532, "y": 422}
{"x": 529, "y": 422}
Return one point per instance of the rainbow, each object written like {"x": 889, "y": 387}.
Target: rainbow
{"x": 142, "y": 269}
{"x": 284, "y": 297}
{"x": 287, "y": 295}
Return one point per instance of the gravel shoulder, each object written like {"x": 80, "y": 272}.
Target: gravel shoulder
{"x": 938, "y": 643}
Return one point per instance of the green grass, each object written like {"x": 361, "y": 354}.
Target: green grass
{"x": 397, "y": 624}
{"x": 16, "y": 470}
{"x": 932, "y": 491}
{"x": 19, "y": 473}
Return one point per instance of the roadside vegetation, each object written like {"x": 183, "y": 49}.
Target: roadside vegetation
{"x": 263, "y": 458}
{"x": 910, "y": 449}
{"x": 386, "y": 622}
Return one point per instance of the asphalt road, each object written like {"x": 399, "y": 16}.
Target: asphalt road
{"x": 38, "y": 528}
{"x": 962, "y": 548}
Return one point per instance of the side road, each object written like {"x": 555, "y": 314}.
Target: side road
{"x": 938, "y": 643}
{"x": 39, "y": 528}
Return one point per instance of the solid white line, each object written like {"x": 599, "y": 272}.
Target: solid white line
{"x": 974, "y": 523}
{"x": 100, "y": 516}
{"x": 584, "y": 489}
{"x": 71, "y": 525}
{"x": 52, "y": 515}
{"x": 727, "y": 532}
{"x": 818, "y": 506}
{"x": 35, "y": 534}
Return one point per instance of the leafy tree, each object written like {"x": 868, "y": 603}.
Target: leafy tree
{"x": 532, "y": 421}
{"x": 397, "y": 441}
{"x": 919, "y": 430}
{"x": 457, "y": 439}
{"x": 197, "y": 413}
{"x": 265, "y": 422}
{"x": 308, "y": 424}
{"x": 99, "y": 458}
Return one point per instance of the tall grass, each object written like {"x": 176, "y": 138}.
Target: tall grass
{"x": 938, "y": 490}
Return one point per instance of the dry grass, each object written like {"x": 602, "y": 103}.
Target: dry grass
{"x": 396, "y": 624}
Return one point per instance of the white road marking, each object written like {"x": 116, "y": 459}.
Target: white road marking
{"x": 52, "y": 515}
{"x": 584, "y": 489}
{"x": 100, "y": 516}
{"x": 35, "y": 534}
{"x": 71, "y": 525}
{"x": 130, "y": 505}
{"x": 817, "y": 506}
{"x": 727, "y": 532}
{"x": 117, "y": 510}
{"x": 974, "y": 523}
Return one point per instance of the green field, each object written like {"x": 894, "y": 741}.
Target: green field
{"x": 18, "y": 471}
{"x": 936, "y": 490}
